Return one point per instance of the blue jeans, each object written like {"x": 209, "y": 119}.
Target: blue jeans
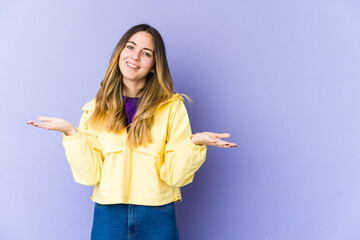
{"x": 134, "y": 222}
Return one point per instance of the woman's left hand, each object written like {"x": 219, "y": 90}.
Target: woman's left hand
{"x": 212, "y": 139}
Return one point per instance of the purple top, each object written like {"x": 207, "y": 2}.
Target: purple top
{"x": 130, "y": 108}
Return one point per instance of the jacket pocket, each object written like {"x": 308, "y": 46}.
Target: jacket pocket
{"x": 112, "y": 146}
{"x": 110, "y": 143}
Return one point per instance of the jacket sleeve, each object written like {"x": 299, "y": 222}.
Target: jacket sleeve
{"x": 83, "y": 152}
{"x": 182, "y": 158}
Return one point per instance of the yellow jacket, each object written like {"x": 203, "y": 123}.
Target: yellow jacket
{"x": 149, "y": 175}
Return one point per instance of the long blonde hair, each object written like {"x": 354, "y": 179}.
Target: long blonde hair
{"x": 109, "y": 114}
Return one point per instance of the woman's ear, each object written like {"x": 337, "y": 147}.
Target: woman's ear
{"x": 152, "y": 70}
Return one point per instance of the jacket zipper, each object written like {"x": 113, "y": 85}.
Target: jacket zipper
{"x": 125, "y": 178}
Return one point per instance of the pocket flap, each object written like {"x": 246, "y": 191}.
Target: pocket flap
{"x": 156, "y": 148}
{"x": 110, "y": 142}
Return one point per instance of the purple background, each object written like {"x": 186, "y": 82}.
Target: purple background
{"x": 281, "y": 76}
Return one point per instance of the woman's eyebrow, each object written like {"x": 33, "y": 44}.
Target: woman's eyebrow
{"x": 144, "y": 48}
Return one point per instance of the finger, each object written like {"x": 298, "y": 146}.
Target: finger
{"x": 222, "y": 135}
{"x": 223, "y": 146}
{"x": 221, "y": 142}
{"x": 42, "y": 125}
{"x": 231, "y": 144}
{"x": 33, "y": 123}
{"x": 227, "y": 144}
{"x": 44, "y": 118}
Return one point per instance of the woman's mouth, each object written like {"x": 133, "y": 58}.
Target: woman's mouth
{"x": 132, "y": 65}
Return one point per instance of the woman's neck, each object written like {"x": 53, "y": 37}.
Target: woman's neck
{"x": 132, "y": 88}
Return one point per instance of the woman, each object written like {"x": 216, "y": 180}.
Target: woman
{"x": 134, "y": 143}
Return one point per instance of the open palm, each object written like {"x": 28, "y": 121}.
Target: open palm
{"x": 212, "y": 139}
{"x": 55, "y": 124}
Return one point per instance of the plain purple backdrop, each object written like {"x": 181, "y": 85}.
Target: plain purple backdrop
{"x": 281, "y": 76}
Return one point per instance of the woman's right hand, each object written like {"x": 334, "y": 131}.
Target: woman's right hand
{"x": 55, "y": 124}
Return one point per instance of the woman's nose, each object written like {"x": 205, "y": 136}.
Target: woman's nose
{"x": 136, "y": 55}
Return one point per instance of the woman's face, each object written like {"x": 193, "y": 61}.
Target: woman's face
{"x": 137, "y": 58}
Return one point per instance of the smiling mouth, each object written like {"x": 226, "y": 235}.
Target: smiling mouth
{"x": 132, "y": 66}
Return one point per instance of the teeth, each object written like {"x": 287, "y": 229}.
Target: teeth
{"x": 133, "y": 66}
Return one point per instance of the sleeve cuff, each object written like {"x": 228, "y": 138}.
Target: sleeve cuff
{"x": 194, "y": 146}
{"x": 73, "y": 137}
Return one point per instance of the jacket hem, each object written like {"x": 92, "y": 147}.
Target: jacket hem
{"x": 138, "y": 199}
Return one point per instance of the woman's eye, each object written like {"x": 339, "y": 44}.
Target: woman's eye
{"x": 147, "y": 54}
{"x": 129, "y": 47}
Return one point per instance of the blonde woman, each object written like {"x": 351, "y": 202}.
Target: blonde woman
{"x": 134, "y": 143}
